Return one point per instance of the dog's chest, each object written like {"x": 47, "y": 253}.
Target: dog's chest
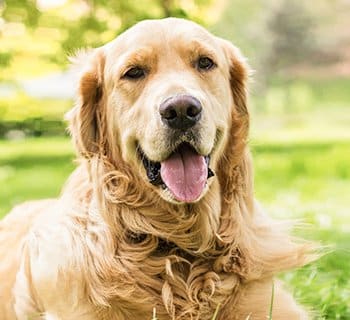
{"x": 176, "y": 284}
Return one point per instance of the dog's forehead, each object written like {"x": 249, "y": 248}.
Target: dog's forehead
{"x": 161, "y": 33}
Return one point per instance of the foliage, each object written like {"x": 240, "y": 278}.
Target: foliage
{"x": 21, "y": 107}
{"x": 284, "y": 37}
{"x": 32, "y": 116}
{"x": 276, "y": 33}
{"x": 83, "y": 23}
{"x": 289, "y": 33}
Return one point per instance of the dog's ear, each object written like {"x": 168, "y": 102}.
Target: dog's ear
{"x": 239, "y": 72}
{"x": 84, "y": 119}
{"x": 234, "y": 171}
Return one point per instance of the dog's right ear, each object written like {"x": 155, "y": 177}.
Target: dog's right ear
{"x": 84, "y": 119}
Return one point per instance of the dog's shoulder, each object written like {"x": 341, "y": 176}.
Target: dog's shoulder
{"x": 53, "y": 240}
{"x": 49, "y": 267}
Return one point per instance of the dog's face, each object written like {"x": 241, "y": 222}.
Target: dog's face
{"x": 169, "y": 91}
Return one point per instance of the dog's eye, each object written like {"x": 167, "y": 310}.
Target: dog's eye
{"x": 135, "y": 73}
{"x": 205, "y": 63}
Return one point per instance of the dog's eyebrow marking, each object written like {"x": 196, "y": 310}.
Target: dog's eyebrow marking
{"x": 195, "y": 49}
{"x": 144, "y": 56}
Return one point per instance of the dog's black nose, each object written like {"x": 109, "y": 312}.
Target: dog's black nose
{"x": 181, "y": 111}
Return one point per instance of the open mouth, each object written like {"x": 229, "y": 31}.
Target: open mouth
{"x": 184, "y": 173}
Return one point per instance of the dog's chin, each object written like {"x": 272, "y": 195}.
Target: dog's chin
{"x": 168, "y": 196}
{"x": 182, "y": 176}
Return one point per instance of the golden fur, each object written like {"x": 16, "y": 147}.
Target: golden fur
{"x": 113, "y": 246}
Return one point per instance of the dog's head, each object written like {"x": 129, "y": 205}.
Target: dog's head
{"x": 170, "y": 99}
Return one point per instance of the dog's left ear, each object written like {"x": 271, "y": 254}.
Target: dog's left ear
{"x": 234, "y": 171}
{"x": 239, "y": 72}
{"x": 85, "y": 118}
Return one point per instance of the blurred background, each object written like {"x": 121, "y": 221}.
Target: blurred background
{"x": 300, "y": 105}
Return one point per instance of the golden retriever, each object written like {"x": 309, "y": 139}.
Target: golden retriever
{"x": 160, "y": 213}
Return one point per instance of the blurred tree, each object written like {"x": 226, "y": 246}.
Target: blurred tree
{"x": 291, "y": 41}
{"x": 25, "y": 11}
{"x": 275, "y": 35}
{"x": 289, "y": 30}
{"x": 90, "y": 23}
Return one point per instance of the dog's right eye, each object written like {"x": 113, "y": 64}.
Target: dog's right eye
{"x": 134, "y": 73}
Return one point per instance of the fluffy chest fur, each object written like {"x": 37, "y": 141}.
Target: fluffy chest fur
{"x": 151, "y": 256}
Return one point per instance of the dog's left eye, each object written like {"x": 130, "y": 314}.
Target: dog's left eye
{"x": 205, "y": 63}
{"x": 135, "y": 73}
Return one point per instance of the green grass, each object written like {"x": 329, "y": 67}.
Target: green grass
{"x": 33, "y": 169}
{"x": 305, "y": 179}
{"x": 309, "y": 180}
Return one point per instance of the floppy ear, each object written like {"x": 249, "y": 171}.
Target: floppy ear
{"x": 239, "y": 72}
{"x": 84, "y": 119}
{"x": 234, "y": 174}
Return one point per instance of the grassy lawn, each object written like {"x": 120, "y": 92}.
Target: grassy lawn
{"x": 33, "y": 169}
{"x": 310, "y": 181}
{"x": 300, "y": 179}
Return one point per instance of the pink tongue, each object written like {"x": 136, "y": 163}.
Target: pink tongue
{"x": 185, "y": 174}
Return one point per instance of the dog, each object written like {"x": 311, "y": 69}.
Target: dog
{"x": 159, "y": 215}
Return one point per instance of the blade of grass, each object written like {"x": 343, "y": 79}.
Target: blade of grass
{"x": 216, "y": 312}
{"x": 154, "y": 314}
{"x": 272, "y": 298}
